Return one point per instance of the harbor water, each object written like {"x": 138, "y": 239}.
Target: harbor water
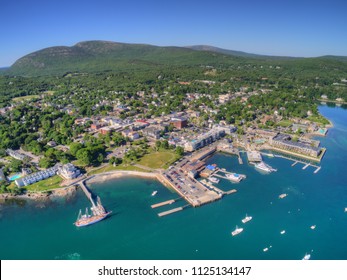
{"x": 45, "y": 230}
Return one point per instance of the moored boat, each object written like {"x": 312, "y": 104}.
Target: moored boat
{"x": 247, "y": 219}
{"x": 264, "y": 167}
{"x": 154, "y": 193}
{"x": 213, "y": 180}
{"x": 236, "y": 231}
{"x": 234, "y": 177}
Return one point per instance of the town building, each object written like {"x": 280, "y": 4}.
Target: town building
{"x": 152, "y": 132}
{"x": 284, "y": 142}
{"x": 204, "y": 139}
{"x": 105, "y": 130}
{"x": 179, "y": 122}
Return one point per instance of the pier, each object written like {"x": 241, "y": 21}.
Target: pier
{"x": 163, "y": 203}
{"x": 231, "y": 191}
{"x": 87, "y": 192}
{"x": 316, "y": 171}
{"x": 170, "y": 211}
{"x": 294, "y": 163}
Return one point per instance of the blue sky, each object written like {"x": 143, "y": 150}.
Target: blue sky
{"x": 282, "y": 27}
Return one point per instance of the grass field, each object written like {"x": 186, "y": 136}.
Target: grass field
{"x": 24, "y": 98}
{"x": 285, "y": 123}
{"x": 318, "y": 119}
{"x": 160, "y": 159}
{"x": 45, "y": 185}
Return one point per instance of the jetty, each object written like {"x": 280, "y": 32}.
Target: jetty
{"x": 316, "y": 171}
{"x": 294, "y": 163}
{"x": 170, "y": 211}
{"x": 163, "y": 203}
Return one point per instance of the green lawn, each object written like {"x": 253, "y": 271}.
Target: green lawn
{"x": 318, "y": 119}
{"x": 24, "y": 98}
{"x": 285, "y": 123}
{"x": 45, "y": 185}
{"x": 160, "y": 159}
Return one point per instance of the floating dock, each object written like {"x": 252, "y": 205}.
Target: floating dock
{"x": 170, "y": 211}
{"x": 307, "y": 165}
{"x": 316, "y": 171}
{"x": 163, "y": 203}
{"x": 231, "y": 191}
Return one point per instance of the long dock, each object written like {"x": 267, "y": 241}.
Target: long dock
{"x": 170, "y": 211}
{"x": 163, "y": 203}
{"x": 231, "y": 191}
{"x": 87, "y": 192}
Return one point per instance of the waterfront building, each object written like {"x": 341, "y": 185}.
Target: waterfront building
{"x": 37, "y": 176}
{"x": 284, "y": 141}
{"x": 204, "y": 139}
{"x": 68, "y": 171}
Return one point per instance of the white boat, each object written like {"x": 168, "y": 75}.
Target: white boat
{"x": 236, "y": 231}
{"x": 283, "y": 232}
{"x": 214, "y": 180}
{"x": 266, "y": 249}
{"x": 234, "y": 177}
{"x": 154, "y": 193}
{"x": 264, "y": 167}
{"x": 346, "y": 209}
{"x": 306, "y": 257}
{"x": 283, "y": 195}
{"x": 246, "y": 219}
{"x": 313, "y": 227}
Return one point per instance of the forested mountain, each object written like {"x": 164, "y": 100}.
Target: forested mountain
{"x": 100, "y": 56}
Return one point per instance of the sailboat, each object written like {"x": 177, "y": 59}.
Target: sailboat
{"x": 98, "y": 214}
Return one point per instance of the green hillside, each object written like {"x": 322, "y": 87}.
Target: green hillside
{"x": 94, "y": 56}
{"x": 101, "y": 56}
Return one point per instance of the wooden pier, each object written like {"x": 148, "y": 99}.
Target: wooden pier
{"x": 170, "y": 211}
{"x": 231, "y": 191}
{"x": 163, "y": 203}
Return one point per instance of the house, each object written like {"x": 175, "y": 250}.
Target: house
{"x": 152, "y": 132}
{"x": 105, "y": 130}
{"x": 95, "y": 126}
{"x": 68, "y": 171}
{"x": 51, "y": 143}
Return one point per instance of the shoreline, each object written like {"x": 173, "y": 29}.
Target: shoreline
{"x": 106, "y": 176}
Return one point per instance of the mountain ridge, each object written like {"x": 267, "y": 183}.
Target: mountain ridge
{"x": 97, "y": 55}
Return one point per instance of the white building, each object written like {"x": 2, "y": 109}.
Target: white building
{"x": 68, "y": 171}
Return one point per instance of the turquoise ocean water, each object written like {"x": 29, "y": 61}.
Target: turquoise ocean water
{"x": 134, "y": 231}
